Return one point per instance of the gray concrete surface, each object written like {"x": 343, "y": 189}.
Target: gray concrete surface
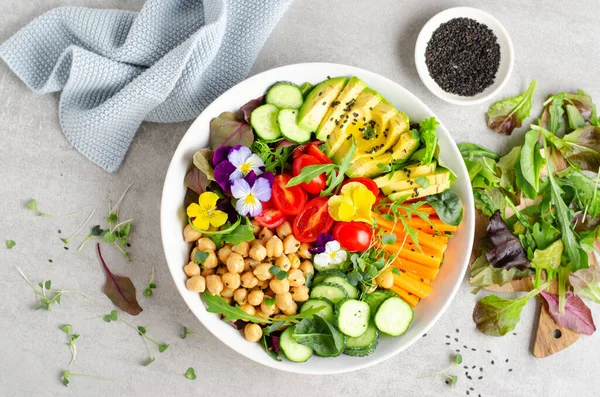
{"x": 555, "y": 43}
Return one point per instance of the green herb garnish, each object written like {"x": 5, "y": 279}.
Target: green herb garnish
{"x": 187, "y": 332}
{"x": 32, "y": 206}
{"x": 151, "y": 285}
{"x": 10, "y": 244}
{"x": 190, "y": 374}
{"x": 46, "y": 295}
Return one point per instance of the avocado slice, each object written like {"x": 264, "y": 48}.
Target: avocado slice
{"x": 439, "y": 177}
{"x": 367, "y": 166}
{"x": 407, "y": 172}
{"x": 318, "y": 101}
{"x": 372, "y": 134}
{"x": 416, "y": 193}
{"x": 398, "y": 125}
{"x": 339, "y": 107}
{"x": 407, "y": 144}
{"x": 348, "y": 127}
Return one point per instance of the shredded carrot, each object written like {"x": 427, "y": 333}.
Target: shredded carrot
{"x": 408, "y": 253}
{"x": 415, "y": 287}
{"x": 417, "y": 222}
{"x": 418, "y": 269}
{"x": 424, "y": 237}
{"x": 418, "y": 278}
{"x": 438, "y": 251}
{"x": 409, "y": 298}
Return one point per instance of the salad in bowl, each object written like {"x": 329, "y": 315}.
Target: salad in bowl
{"x": 318, "y": 218}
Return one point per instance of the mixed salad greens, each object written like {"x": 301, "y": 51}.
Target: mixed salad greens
{"x": 543, "y": 206}
{"x": 316, "y": 246}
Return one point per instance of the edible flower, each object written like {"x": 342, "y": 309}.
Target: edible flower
{"x": 233, "y": 163}
{"x": 204, "y": 214}
{"x": 353, "y": 204}
{"x": 250, "y": 194}
{"x": 319, "y": 246}
{"x": 333, "y": 256}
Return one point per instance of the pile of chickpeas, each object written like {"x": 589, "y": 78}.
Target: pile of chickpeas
{"x": 240, "y": 273}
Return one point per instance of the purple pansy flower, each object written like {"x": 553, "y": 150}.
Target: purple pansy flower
{"x": 250, "y": 197}
{"x": 319, "y": 246}
{"x": 235, "y": 163}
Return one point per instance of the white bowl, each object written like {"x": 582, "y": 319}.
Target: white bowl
{"x": 507, "y": 54}
{"x": 173, "y": 219}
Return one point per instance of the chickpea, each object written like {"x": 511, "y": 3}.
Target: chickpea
{"x": 248, "y": 280}
{"x": 255, "y": 297}
{"x": 296, "y": 278}
{"x": 227, "y": 293}
{"x": 224, "y": 253}
{"x": 211, "y": 260}
{"x": 208, "y": 272}
{"x": 303, "y": 251}
{"x": 242, "y": 248}
{"x": 283, "y": 263}
{"x": 205, "y": 244}
{"x": 235, "y": 263}
{"x": 255, "y": 227}
{"x": 252, "y": 332}
{"x": 280, "y": 286}
{"x": 221, "y": 271}
{"x": 263, "y": 284}
{"x": 267, "y": 309}
{"x": 262, "y": 271}
{"x": 196, "y": 284}
{"x": 191, "y": 269}
{"x": 290, "y": 311}
{"x": 294, "y": 261}
{"x": 300, "y": 293}
{"x": 258, "y": 252}
{"x": 248, "y": 309}
{"x": 240, "y": 295}
{"x": 214, "y": 284}
{"x": 250, "y": 264}
{"x": 274, "y": 247}
{"x": 190, "y": 234}
{"x": 229, "y": 300}
{"x": 284, "y": 230}
{"x": 284, "y": 301}
{"x": 307, "y": 267}
{"x": 290, "y": 245}
{"x": 231, "y": 280}
{"x": 385, "y": 280}
{"x": 265, "y": 235}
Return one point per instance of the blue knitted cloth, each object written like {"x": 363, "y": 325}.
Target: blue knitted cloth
{"x": 118, "y": 68}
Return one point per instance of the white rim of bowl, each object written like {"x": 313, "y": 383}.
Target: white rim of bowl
{"x": 421, "y": 44}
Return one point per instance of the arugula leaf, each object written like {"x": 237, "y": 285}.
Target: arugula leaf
{"x": 506, "y": 115}
{"x": 544, "y": 234}
{"x": 472, "y": 151}
{"x": 427, "y": 129}
{"x": 216, "y": 304}
{"x": 483, "y": 274}
{"x": 274, "y": 159}
{"x": 310, "y": 172}
{"x": 336, "y": 178}
{"x": 586, "y": 283}
{"x": 242, "y": 232}
{"x": 448, "y": 206}
{"x": 320, "y": 335}
{"x": 576, "y": 315}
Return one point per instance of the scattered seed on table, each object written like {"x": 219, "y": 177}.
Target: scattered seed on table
{"x": 470, "y": 388}
{"x": 447, "y": 336}
{"x": 468, "y": 392}
{"x": 457, "y": 331}
{"x": 59, "y": 231}
{"x": 50, "y": 260}
{"x": 447, "y": 382}
{"x": 469, "y": 378}
{"x": 465, "y": 367}
{"x": 455, "y": 339}
{"x": 474, "y": 366}
{"x": 465, "y": 346}
{"x": 481, "y": 377}
{"x": 67, "y": 248}
{"x": 492, "y": 362}
{"x": 506, "y": 360}
{"x": 489, "y": 351}
{"x": 480, "y": 369}
{"x": 473, "y": 349}
{"x": 448, "y": 343}
{"x": 510, "y": 370}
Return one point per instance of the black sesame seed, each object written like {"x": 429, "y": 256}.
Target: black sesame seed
{"x": 447, "y": 336}
{"x": 50, "y": 260}
{"x": 474, "y": 366}
{"x": 489, "y": 351}
{"x": 67, "y": 248}
{"x": 480, "y": 377}
{"x": 465, "y": 367}
{"x": 510, "y": 370}
{"x": 457, "y": 330}
{"x": 492, "y": 362}
{"x": 506, "y": 360}
{"x": 320, "y": 93}
{"x": 468, "y": 392}
{"x": 448, "y": 343}
{"x": 59, "y": 231}
{"x": 473, "y": 349}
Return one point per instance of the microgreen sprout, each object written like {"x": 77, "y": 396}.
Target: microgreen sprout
{"x": 32, "y": 206}
{"x": 278, "y": 272}
{"x": 10, "y": 244}
{"x": 187, "y": 332}
{"x": 151, "y": 285}
{"x": 66, "y": 377}
{"x": 190, "y": 374}
{"x": 142, "y": 331}
{"x": 72, "y": 236}
{"x": 46, "y": 295}
{"x": 67, "y": 329}
{"x": 450, "y": 379}
{"x": 112, "y": 316}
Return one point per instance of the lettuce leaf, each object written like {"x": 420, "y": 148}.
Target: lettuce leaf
{"x": 483, "y": 274}
{"x": 495, "y": 316}
{"x": 581, "y": 147}
{"x": 201, "y": 174}
{"x": 506, "y": 165}
{"x": 507, "y": 251}
{"x": 427, "y": 129}
{"x": 576, "y": 316}
{"x": 506, "y": 115}
{"x": 489, "y": 201}
{"x": 586, "y": 283}
{"x": 227, "y": 130}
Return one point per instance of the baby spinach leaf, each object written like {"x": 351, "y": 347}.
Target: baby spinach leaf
{"x": 522, "y": 183}
{"x": 427, "y": 129}
{"x": 120, "y": 290}
{"x": 227, "y": 130}
{"x": 586, "y": 283}
{"x": 506, "y": 115}
{"x": 576, "y": 316}
{"x": 448, "y": 206}
{"x": 320, "y": 335}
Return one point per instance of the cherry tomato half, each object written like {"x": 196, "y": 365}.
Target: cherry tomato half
{"x": 353, "y": 236}
{"x": 314, "y": 220}
{"x": 369, "y": 183}
{"x": 289, "y": 200}
{"x": 316, "y": 184}
{"x": 316, "y": 152}
{"x": 270, "y": 217}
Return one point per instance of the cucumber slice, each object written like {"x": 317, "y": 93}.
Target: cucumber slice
{"x": 286, "y": 121}
{"x": 365, "y": 340}
{"x": 353, "y": 317}
{"x": 394, "y": 316}
{"x": 326, "y": 311}
{"x": 362, "y": 352}
{"x": 306, "y": 88}
{"x": 333, "y": 292}
{"x": 264, "y": 121}
{"x": 322, "y": 275}
{"x": 291, "y": 349}
{"x": 285, "y": 95}
{"x": 376, "y": 298}
{"x": 343, "y": 282}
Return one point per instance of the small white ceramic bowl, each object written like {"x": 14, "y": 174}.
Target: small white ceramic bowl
{"x": 506, "y": 54}
{"x": 173, "y": 218}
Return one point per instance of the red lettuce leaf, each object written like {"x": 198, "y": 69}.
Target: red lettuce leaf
{"x": 250, "y": 106}
{"x": 576, "y": 317}
{"x": 507, "y": 114}
{"x": 227, "y": 130}
{"x": 120, "y": 290}
{"x": 507, "y": 251}
{"x": 196, "y": 180}
{"x": 202, "y": 173}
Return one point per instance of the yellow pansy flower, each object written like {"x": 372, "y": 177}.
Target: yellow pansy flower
{"x": 354, "y": 203}
{"x": 205, "y": 213}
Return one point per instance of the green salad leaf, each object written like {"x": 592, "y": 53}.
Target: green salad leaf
{"x": 506, "y": 115}
{"x": 547, "y": 259}
{"x": 586, "y": 283}
{"x": 483, "y": 274}
{"x": 506, "y": 165}
{"x": 242, "y": 232}
{"x": 531, "y": 160}
{"x": 320, "y": 335}
{"x": 448, "y": 206}
{"x": 10, "y": 244}
{"x": 489, "y": 201}
{"x": 429, "y": 138}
